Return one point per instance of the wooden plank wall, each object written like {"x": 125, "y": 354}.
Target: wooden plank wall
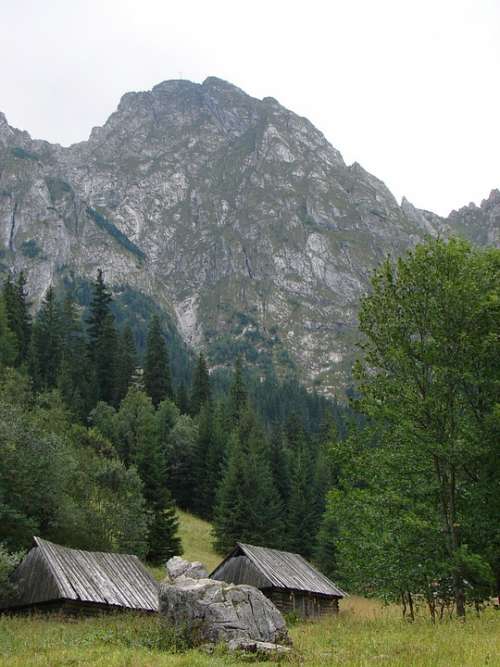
{"x": 305, "y": 605}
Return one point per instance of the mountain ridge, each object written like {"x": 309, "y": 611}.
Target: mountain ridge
{"x": 235, "y": 214}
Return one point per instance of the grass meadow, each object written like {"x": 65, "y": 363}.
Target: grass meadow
{"x": 364, "y": 633}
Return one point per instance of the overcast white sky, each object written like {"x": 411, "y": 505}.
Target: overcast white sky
{"x": 408, "y": 88}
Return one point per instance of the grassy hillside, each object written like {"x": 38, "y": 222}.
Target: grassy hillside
{"x": 365, "y": 633}
{"x": 197, "y": 540}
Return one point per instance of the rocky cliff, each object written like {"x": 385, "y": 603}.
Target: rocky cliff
{"x": 234, "y": 214}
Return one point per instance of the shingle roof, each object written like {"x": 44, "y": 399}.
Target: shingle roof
{"x": 52, "y": 572}
{"x": 282, "y": 569}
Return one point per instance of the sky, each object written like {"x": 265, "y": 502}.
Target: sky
{"x": 410, "y": 89}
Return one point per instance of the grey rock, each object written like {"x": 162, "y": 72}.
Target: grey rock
{"x": 213, "y": 611}
{"x": 179, "y": 567}
{"x": 260, "y": 648}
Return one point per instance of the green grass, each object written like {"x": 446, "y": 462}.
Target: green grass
{"x": 365, "y": 633}
{"x": 197, "y": 540}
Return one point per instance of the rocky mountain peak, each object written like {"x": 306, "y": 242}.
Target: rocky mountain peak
{"x": 234, "y": 214}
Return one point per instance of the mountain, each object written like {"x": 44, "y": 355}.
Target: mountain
{"x": 233, "y": 214}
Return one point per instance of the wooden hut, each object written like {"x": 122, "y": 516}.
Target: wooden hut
{"x": 287, "y": 579}
{"x": 52, "y": 577}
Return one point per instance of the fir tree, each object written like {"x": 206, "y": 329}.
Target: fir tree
{"x": 127, "y": 366}
{"x": 231, "y": 511}
{"x": 280, "y": 464}
{"x": 201, "y": 386}
{"x": 102, "y": 342}
{"x": 46, "y": 343}
{"x": 182, "y": 399}
{"x": 164, "y": 541}
{"x": 18, "y": 316}
{"x": 248, "y": 506}
{"x": 8, "y": 343}
{"x": 238, "y": 398}
{"x": 303, "y": 518}
{"x": 73, "y": 381}
{"x": 156, "y": 365}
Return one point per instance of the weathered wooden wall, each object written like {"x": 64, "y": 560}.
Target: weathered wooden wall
{"x": 305, "y": 605}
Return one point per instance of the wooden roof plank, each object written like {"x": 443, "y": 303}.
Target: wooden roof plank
{"x": 89, "y": 576}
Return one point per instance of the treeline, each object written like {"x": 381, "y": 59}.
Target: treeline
{"x": 127, "y": 444}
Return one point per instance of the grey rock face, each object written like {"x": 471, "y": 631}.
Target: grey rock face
{"x": 179, "y": 567}
{"x": 213, "y": 612}
{"x": 235, "y": 214}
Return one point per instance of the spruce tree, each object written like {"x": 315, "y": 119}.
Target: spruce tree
{"x": 156, "y": 365}
{"x": 248, "y": 507}
{"x": 280, "y": 464}
{"x": 73, "y": 380}
{"x": 303, "y": 518}
{"x": 231, "y": 510}
{"x": 102, "y": 342}
{"x": 127, "y": 366}
{"x": 182, "y": 399}
{"x": 18, "y": 315}
{"x": 201, "y": 386}
{"x": 8, "y": 343}
{"x": 238, "y": 398}
{"x": 46, "y": 347}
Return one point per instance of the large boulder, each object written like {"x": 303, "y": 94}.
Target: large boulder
{"x": 209, "y": 611}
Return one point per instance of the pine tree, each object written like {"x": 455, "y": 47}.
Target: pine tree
{"x": 156, "y": 365}
{"x": 46, "y": 343}
{"x": 201, "y": 385}
{"x": 102, "y": 342}
{"x": 18, "y": 316}
{"x": 127, "y": 366}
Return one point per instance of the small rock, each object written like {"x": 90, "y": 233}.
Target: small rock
{"x": 262, "y": 648}
{"x": 179, "y": 567}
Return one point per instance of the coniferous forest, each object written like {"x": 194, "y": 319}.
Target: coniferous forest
{"x": 394, "y": 494}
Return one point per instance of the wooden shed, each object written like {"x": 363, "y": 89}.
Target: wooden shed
{"x": 52, "y": 577}
{"x": 287, "y": 579}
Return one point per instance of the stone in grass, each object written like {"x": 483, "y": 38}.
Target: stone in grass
{"x": 259, "y": 648}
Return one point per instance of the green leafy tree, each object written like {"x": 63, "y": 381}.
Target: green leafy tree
{"x": 430, "y": 374}
{"x": 157, "y": 380}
